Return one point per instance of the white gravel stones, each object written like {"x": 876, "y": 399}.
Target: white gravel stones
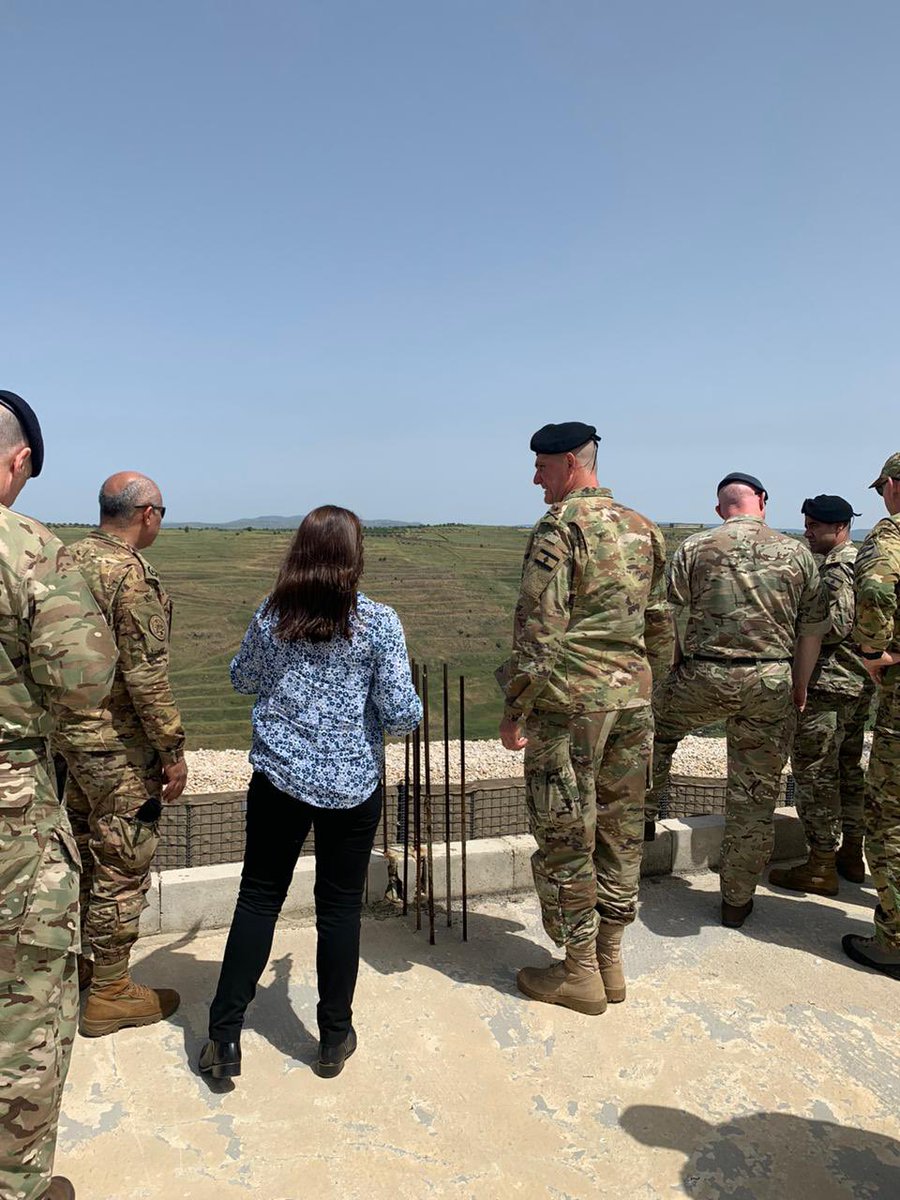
{"x": 229, "y": 770}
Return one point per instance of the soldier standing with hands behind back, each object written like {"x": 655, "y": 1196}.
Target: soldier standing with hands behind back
{"x": 56, "y": 669}
{"x": 116, "y": 819}
{"x": 591, "y": 625}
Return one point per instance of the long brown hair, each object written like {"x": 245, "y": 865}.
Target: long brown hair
{"x": 315, "y": 592}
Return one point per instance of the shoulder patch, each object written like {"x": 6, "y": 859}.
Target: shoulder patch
{"x": 157, "y": 627}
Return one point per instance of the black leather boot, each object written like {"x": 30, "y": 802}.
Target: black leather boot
{"x": 332, "y": 1058}
{"x": 222, "y": 1060}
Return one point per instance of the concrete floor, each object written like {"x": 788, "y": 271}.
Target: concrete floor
{"x": 757, "y": 1064}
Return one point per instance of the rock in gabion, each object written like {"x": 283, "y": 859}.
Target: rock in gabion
{"x": 229, "y": 770}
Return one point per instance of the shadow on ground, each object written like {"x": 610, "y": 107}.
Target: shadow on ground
{"x": 771, "y": 1155}
{"x": 779, "y": 918}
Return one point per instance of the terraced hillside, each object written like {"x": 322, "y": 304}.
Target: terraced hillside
{"x": 454, "y": 587}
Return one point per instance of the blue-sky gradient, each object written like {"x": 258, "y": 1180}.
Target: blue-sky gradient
{"x": 284, "y": 253}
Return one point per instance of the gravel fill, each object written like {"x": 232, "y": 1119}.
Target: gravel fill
{"x": 229, "y": 770}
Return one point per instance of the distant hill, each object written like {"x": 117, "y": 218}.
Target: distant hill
{"x": 285, "y": 523}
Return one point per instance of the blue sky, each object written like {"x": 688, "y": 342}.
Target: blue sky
{"x": 281, "y": 254}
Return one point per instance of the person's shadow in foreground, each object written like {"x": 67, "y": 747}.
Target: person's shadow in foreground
{"x": 771, "y": 1155}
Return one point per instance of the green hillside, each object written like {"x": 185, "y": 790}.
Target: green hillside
{"x": 454, "y": 587}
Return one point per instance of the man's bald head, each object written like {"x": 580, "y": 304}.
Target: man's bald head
{"x": 739, "y": 499}
{"x": 131, "y": 506}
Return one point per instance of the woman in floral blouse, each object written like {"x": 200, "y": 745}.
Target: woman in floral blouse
{"x": 330, "y": 673}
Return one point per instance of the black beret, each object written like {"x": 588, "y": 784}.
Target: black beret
{"x": 740, "y": 477}
{"x": 559, "y": 439}
{"x": 833, "y": 510}
{"x": 30, "y": 427}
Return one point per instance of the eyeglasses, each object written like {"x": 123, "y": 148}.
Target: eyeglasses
{"x": 160, "y": 508}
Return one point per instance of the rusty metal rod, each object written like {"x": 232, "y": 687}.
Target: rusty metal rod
{"x": 406, "y": 826}
{"x": 446, "y": 698}
{"x": 429, "y": 817}
{"x": 384, "y": 802}
{"x": 462, "y": 803}
{"x": 417, "y": 803}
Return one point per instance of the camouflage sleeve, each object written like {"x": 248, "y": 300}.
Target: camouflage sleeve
{"x": 679, "y": 579}
{"x": 72, "y": 653}
{"x": 877, "y": 583}
{"x": 542, "y": 617}
{"x": 838, "y": 580}
{"x": 659, "y": 629}
{"x": 142, "y": 635}
{"x": 813, "y": 615}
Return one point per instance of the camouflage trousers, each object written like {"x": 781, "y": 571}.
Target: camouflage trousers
{"x": 114, "y": 804}
{"x": 39, "y": 941}
{"x": 585, "y": 779}
{"x": 756, "y": 703}
{"x": 38, "y": 1010}
{"x": 825, "y": 760}
{"x": 883, "y": 816}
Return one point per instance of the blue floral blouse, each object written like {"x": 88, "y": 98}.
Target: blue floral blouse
{"x": 322, "y": 708}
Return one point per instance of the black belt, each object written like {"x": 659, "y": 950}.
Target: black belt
{"x": 736, "y": 662}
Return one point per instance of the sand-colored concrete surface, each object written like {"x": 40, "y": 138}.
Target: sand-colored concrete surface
{"x": 757, "y": 1064}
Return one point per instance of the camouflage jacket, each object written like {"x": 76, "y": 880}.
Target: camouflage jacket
{"x": 877, "y": 584}
{"x": 592, "y": 621}
{"x": 839, "y": 670}
{"x": 131, "y": 597}
{"x": 748, "y": 591}
{"x": 57, "y": 659}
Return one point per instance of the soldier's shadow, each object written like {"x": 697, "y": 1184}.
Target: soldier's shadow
{"x": 770, "y": 1155}
{"x": 671, "y": 907}
{"x": 272, "y": 1014}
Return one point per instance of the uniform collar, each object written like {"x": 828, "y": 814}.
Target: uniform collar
{"x": 838, "y": 551}
{"x": 744, "y": 517}
{"x": 104, "y": 535}
{"x": 587, "y": 491}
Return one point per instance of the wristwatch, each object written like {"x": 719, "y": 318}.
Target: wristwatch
{"x": 871, "y": 655}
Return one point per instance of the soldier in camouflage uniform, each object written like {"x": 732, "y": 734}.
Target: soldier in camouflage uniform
{"x": 828, "y": 741}
{"x": 56, "y": 669}
{"x": 877, "y": 632}
{"x": 756, "y": 612}
{"x": 116, "y": 820}
{"x": 591, "y": 624}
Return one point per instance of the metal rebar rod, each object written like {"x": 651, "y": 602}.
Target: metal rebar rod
{"x": 429, "y": 816}
{"x": 447, "y": 822}
{"x": 384, "y": 802}
{"x": 417, "y": 804}
{"x": 406, "y": 826}
{"x": 462, "y": 805}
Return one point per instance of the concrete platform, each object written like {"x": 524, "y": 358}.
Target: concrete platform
{"x": 757, "y": 1064}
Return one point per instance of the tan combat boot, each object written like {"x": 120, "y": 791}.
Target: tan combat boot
{"x": 574, "y": 982}
{"x": 115, "y": 1001}
{"x": 817, "y": 875}
{"x": 609, "y": 959}
{"x": 60, "y": 1189}
{"x": 849, "y": 860}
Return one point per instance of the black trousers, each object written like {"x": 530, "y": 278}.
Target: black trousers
{"x": 277, "y": 825}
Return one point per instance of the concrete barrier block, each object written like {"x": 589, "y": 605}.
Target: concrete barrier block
{"x": 521, "y": 847}
{"x": 696, "y": 843}
{"x": 489, "y": 868}
{"x": 657, "y": 855}
{"x": 377, "y": 878}
{"x": 790, "y": 839}
{"x": 150, "y": 916}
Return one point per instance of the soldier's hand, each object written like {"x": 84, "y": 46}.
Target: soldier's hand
{"x": 876, "y": 667}
{"x": 511, "y": 735}
{"x": 175, "y": 779}
{"x": 799, "y": 694}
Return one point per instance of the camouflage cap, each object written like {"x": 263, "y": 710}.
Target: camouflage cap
{"x": 890, "y": 470}
{"x": 31, "y": 428}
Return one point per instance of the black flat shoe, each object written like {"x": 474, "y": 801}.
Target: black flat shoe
{"x": 734, "y": 915}
{"x": 222, "y": 1060}
{"x": 332, "y": 1058}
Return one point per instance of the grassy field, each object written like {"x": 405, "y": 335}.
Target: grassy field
{"x": 454, "y": 586}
